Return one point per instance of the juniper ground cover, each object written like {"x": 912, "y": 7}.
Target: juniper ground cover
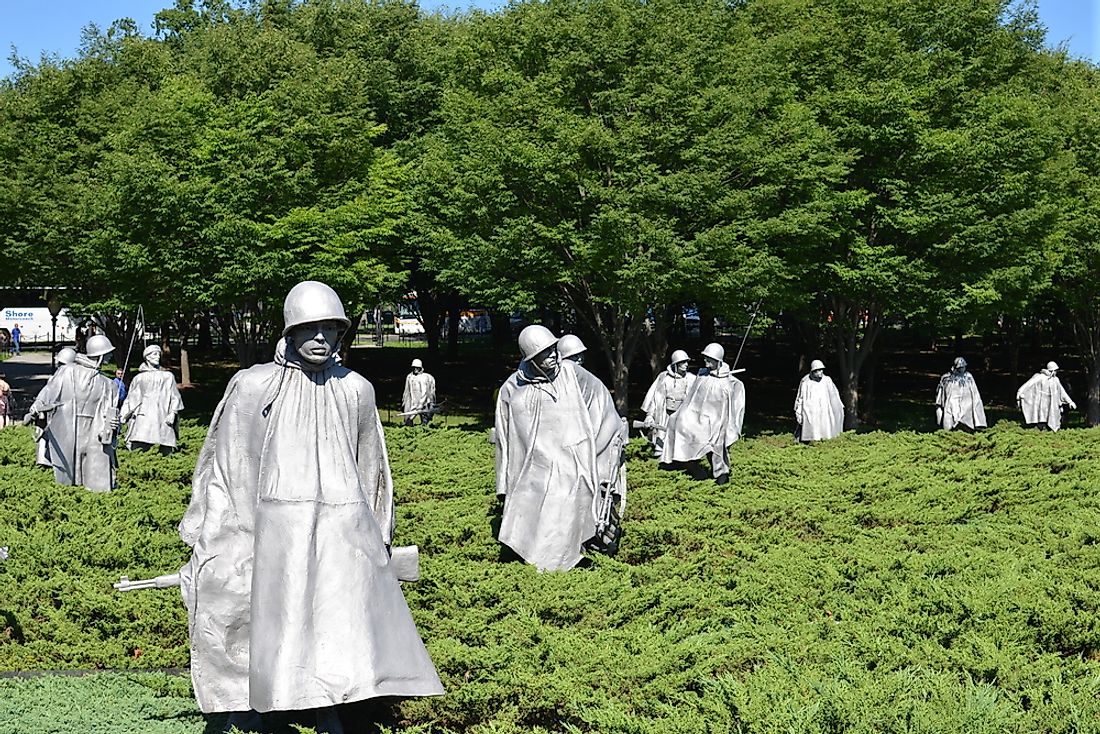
{"x": 881, "y": 582}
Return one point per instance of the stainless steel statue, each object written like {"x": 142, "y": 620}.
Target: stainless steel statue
{"x": 152, "y": 406}
{"x": 418, "y": 399}
{"x": 79, "y": 410}
{"x": 572, "y": 348}
{"x": 957, "y": 399}
{"x": 710, "y": 418}
{"x": 1041, "y": 398}
{"x": 292, "y": 596}
{"x": 665, "y": 396}
{"x": 818, "y": 411}
{"x": 559, "y": 454}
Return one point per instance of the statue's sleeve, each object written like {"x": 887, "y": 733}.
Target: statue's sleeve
{"x": 799, "y": 399}
{"x": 406, "y": 395}
{"x": 431, "y": 391}
{"x": 737, "y": 411}
{"x": 374, "y": 464}
{"x": 941, "y": 392}
{"x": 653, "y": 396}
{"x": 209, "y": 486}
{"x": 500, "y": 429}
{"x": 133, "y": 399}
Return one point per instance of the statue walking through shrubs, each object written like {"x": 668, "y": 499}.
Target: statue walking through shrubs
{"x": 79, "y": 410}
{"x": 958, "y": 402}
{"x": 152, "y": 406}
{"x": 1041, "y": 398}
{"x": 291, "y": 592}
{"x": 559, "y": 455}
{"x": 710, "y": 418}
{"x": 818, "y": 410}
{"x": 665, "y": 396}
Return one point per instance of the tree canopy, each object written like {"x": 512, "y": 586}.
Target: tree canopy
{"x": 844, "y": 163}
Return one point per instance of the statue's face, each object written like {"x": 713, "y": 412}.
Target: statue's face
{"x": 417, "y": 370}
{"x": 153, "y": 358}
{"x": 578, "y": 358}
{"x": 816, "y": 375}
{"x": 681, "y": 368}
{"x": 710, "y": 362}
{"x": 547, "y": 360}
{"x": 316, "y": 341}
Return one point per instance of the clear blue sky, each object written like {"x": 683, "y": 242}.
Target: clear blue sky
{"x": 53, "y": 27}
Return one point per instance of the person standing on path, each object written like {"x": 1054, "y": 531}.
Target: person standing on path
{"x": 16, "y": 337}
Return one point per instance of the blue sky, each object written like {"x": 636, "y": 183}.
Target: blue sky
{"x": 53, "y": 27}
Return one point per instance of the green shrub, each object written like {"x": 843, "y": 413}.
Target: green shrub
{"x": 879, "y": 582}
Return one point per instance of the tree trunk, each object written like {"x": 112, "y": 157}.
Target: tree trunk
{"x": 856, "y": 330}
{"x": 655, "y": 341}
{"x": 706, "y": 323}
{"x": 501, "y": 325}
{"x": 1086, "y": 327}
{"x": 454, "y": 319}
{"x": 205, "y": 341}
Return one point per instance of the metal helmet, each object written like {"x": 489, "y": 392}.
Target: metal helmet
{"x": 150, "y": 349}
{"x": 67, "y": 355}
{"x": 817, "y": 364}
{"x": 1052, "y": 366}
{"x": 98, "y": 345}
{"x": 570, "y": 345}
{"x": 418, "y": 363}
{"x": 311, "y": 301}
{"x": 715, "y": 351}
{"x": 679, "y": 356}
{"x": 535, "y": 338}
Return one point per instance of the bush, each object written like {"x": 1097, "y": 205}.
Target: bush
{"x": 875, "y": 583}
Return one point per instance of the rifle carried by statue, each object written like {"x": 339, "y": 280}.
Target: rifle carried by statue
{"x": 404, "y": 560}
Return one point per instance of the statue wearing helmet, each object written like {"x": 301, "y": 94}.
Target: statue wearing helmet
{"x": 152, "y": 406}
{"x": 291, "y": 591}
{"x": 571, "y": 347}
{"x": 78, "y": 413}
{"x": 665, "y": 396}
{"x": 958, "y": 402}
{"x": 418, "y": 399}
{"x": 818, "y": 410}
{"x": 710, "y": 419}
{"x": 1042, "y": 397}
{"x": 559, "y": 457}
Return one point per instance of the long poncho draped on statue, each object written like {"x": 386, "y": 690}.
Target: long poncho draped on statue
{"x": 556, "y": 441}
{"x": 290, "y": 594}
{"x": 818, "y": 410}
{"x": 151, "y": 406}
{"x": 957, "y": 395}
{"x": 710, "y": 419}
{"x": 1041, "y": 398}
{"x": 419, "y": 392}
{"x": 80, "y": 404}
{"x": 665, "y": 396}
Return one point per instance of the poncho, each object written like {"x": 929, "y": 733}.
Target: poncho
{"x": 291, "y": 598}
{"x": 710, "y": 419}
{"x": 419, "y": 392}
{"x": 818, "y": 410}
{"x": 957, "y": 395}
{"x": 556, "y": 441}
{"x": 151, "y": 406}
{"x": 665, "y": 396}
{"x": 79, "y": 404}
{"x": 1041, "y": 398}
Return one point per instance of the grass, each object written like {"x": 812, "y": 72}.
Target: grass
{"x": 880, "y": 582}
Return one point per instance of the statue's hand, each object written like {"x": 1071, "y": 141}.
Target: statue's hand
{"x": 29, "y": 418}
{"x": 115, "y": 423}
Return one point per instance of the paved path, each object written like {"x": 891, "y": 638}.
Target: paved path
{"x": 26, "y": 374}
